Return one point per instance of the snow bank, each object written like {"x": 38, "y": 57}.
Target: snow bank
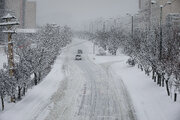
{"x": 38, "y": 98}
{"x": 150, "y": 101}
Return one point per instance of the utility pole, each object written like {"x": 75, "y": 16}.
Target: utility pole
{"x": 160, "y": 24}
{"x": 160, "y": 43}
{"x": 9, "y": 23}
{"x": 132, "y": 28}
{"x": 132, "y": 24}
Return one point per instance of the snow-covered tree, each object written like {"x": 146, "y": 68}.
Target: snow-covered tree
{"x": 35, "y": 53}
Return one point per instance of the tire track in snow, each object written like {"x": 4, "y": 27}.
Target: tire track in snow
{"x": 121, "y": 92}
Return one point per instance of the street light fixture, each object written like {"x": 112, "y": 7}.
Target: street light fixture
{"x": 9, "y": 23}
{"x": 161, "y": 10}
{"x": 169, "y": 2}
{"x": 132, "y": 27}
{"x": 153, "y": 2}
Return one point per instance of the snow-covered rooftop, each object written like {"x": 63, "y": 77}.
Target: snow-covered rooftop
{"x": 8, "y": 31}
{"x": 26, "y": 30}
{"x": 8, "y": 16}
{"x": 9, "y": 23}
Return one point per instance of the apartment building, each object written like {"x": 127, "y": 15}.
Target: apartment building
{"x": 24, "y": 10}
{"x": 174, "y": 7}
{"x": 154, "y": 9}
{"x": 17, "y": 8}
{"x": 143, "y": 18}
{"x": 2, "y": 6}
{"x": 30, "y": 16}
{"x": 143, "y": 4}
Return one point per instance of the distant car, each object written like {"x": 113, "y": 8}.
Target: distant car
{"x": 80, "y": 51}
{"x": 78, "y": 57}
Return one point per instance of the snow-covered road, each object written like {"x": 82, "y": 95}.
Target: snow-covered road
{"x": 93, "y": 89}
{"x": 89, "y": 91}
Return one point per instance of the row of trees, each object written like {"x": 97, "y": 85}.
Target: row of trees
{"x": 34, "y": 56}
{"x": 144, "y": 48}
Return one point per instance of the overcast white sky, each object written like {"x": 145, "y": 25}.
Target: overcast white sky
{"x": 75, "y": 12}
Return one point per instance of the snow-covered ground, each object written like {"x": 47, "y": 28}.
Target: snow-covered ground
{"x": 38, "y": 99}
{"x": 150, "y": 101}
{"x": 89, "y": 93}
{"x": 96, "y": 88}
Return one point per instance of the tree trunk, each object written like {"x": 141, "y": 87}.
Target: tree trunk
{"x": 167, "y": 88}
{"x": 155, "y": 77}
{"x": 35, "y": 79}
{"x": 13, "y": 97}
{"x": 19, "y": 92}
{"x": 159, "y": 80}
{"x": 175, "y": 97}
{"x": 115, "y": 52}
{"x": 24, "y": 89}
{"x": 163, "y": 80}
{"x": 138, "y": 66}
{"x": 148, "y": 72}
{"x": 2, "y": 102}
{"x": 153, "y": 74}
{"x": 39, "y": 77}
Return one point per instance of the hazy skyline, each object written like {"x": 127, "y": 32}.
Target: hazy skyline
{"x": 75, "y": 12}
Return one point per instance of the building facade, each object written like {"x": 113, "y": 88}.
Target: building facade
{"x": 30, "y": 15}
{"x": 2, "y": 6}
{"x": 17, "y": 8}
{"x": 24, "y": 10}
{"x": 143, "y": 18}
{"x": 2, "y": 10}
{"x": 174, "y": 7}
{"x": 154, "y": 9}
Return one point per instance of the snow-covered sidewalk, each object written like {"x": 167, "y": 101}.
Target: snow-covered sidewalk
{"x": 150, "y": 101}
{"x": 38, "y": 98}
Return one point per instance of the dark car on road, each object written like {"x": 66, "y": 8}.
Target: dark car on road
{"x": 78, "y": 57}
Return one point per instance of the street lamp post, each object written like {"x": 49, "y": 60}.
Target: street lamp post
{"x": 160, "y": 43}
{"x": 160, "y": 34}
{"x": 132, "y": 25}
{"x": 161, "y": 37}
